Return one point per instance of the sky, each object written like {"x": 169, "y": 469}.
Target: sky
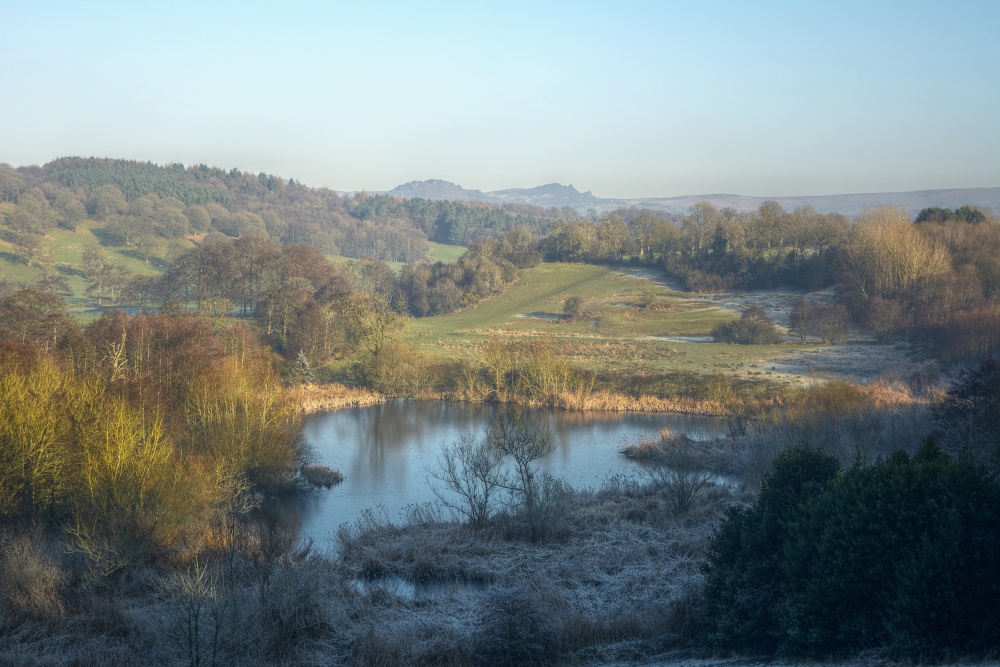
{"x": 623, "y": 98}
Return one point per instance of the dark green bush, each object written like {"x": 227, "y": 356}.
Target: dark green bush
{"x": 745, "y": 570}
{"x": 898, "y": 556}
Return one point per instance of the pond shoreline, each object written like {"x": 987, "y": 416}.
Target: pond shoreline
{"x": 387, "y": 452}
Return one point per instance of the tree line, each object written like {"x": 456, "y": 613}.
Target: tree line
{"x": 935, "y": 281}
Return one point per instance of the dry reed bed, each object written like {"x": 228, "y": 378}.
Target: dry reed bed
{"x": 883, "y": 393}
{"x": 326, "y": 397}
{"x": 612, "y": 402}
{"x": 605, "y": 401}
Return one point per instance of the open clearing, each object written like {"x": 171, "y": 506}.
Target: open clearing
{"x": 674, "y": 335}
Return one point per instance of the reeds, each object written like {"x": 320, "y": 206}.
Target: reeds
{"x": 326, "y": 397}
{"x": 322, "y": 476}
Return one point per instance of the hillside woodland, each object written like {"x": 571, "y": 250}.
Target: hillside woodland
{"x": 919, "y": 283}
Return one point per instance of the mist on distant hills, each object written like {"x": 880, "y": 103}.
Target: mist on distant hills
{"x": 557, "y": 195}
{"x": 551, "y": 195}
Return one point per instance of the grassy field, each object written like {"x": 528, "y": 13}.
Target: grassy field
{"x": 440, "y": 252}
{"x": 617, "y": 333}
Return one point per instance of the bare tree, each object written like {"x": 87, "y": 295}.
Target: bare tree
{"x": 97, "y": 263}
{"x": 479, "y": 477}
{"x": 513, "y": 433}
{"x": 469, "y": 471}
{"x": 887, "y": 254}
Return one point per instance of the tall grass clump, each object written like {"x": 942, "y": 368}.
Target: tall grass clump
{"x": 519, "y": 626}
{"x": 853, "y": 423}
{"x": 32, "y": 581}
{"x": 321, "y": 476}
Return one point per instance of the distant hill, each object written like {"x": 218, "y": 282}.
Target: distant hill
{"x": 559, "y": 196}
{"x": 437, "y": 190}
{"x": 553, "y": 194}
{"x": 546, "y": 196}
{"x": 849, "y": 205}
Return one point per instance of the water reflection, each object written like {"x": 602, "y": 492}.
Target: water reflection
{"x": 385, "y": 452}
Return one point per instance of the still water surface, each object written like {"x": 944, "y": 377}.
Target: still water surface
{"x": 386, "y": 451}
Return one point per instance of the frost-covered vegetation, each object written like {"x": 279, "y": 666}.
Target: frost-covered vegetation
{"x": 639, "y": 570}
{"x": 619, "y": 579}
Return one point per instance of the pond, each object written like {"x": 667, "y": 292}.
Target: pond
{"x": 386, "y": 453}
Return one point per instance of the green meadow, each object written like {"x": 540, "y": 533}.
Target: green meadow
{"x": 440, "y": 252}
{"x": 627, "y": 324}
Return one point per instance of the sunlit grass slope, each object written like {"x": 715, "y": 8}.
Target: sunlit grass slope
{"x": 616, "y": 332}
{"x": 440, "y": 252}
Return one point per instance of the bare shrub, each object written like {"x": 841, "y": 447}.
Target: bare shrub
{"x": 676, "y": 464}
{"x": 294, "y": 609}
{"x": 516, "y": 436}
{"x": 825, "y": 320}
{"x": 650, "y": 300}
{"x": 573, "y": 307}
{"x": 884, "y": 317}
{"x": 31, "y": 581}
{"x": 274, "y": 541}
{"x": 196, "y": 615}
{"x": 470, "y": 473}
{"x": 210, "y": 620}
{"x": 545, "y": 518}
{"x": 830, "y": 322}
{"x": 753, "y": 327}
{"x": 478, "y": 478}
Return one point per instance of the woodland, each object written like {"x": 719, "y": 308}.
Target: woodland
{"x": 162, "y": 328}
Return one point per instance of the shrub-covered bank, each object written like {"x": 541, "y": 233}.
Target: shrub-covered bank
{"x": 133, "y": 434}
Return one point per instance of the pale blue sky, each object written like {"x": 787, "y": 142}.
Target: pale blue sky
{"x": 627, "y": 99}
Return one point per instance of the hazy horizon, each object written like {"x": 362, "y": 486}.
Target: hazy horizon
{"x": 638, "y": 100}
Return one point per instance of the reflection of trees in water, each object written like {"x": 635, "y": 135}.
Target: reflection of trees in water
{"x": 386, "y": 451}
{"x": 383, "y": 428}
